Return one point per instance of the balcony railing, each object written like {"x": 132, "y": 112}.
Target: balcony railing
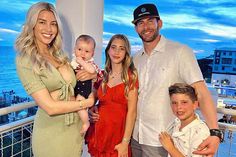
{"x": 15, "y": 137}
{"x": 227, "y": 148}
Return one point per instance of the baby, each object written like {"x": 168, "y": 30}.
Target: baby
{"x": 83, "y": 59}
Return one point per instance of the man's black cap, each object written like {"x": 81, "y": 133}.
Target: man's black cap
{"x": 145, "y": 10}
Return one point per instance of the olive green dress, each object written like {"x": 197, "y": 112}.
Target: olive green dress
{"x": 53, "y": 136}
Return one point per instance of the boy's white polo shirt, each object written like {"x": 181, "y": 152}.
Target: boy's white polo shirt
{"x": 190, "y": 137}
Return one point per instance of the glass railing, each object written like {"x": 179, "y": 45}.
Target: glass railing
{"x": 227, "y": 147}
{"x": 15, "y": 137}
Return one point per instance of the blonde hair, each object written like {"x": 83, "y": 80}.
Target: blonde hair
{"x": 26, "y": 45}
{"x": 129, "y": 73}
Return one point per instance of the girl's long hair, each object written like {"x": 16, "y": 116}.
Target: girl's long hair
{"x": 26, "y": 43}
{"x": 129, "y": 72}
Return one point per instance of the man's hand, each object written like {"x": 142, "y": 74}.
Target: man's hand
{"x": 83, "y": 75}
{"x": 93, "y": 114}
{"x": 208, "y": 147}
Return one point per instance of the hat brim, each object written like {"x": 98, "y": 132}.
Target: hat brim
{"x": 136, "y": 20}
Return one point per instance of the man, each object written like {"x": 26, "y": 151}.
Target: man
{"x": 162, "y": 63}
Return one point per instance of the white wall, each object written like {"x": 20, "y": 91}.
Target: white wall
{"x": 81, "y": 17}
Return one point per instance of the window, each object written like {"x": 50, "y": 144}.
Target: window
{"x": 226, "y": 60}
{"x": 217, "y": 54}
{"x": 217, "y": 61}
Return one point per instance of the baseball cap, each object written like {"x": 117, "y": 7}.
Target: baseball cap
{"x": 145, "y": 10}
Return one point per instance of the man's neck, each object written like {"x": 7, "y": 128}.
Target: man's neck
{"x": 149, "y": 46}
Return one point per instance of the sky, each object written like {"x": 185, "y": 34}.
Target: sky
{"x": 203, "y": 25}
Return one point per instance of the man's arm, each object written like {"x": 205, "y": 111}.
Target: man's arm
{"x": 208, "y": 109}
{"x": 206, "y": 104}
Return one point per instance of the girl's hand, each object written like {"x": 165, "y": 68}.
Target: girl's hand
{"x": 122, "y": 149}
{"x": 93, "y": 114}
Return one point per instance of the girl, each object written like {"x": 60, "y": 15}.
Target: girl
{"x": 110, "y": 134}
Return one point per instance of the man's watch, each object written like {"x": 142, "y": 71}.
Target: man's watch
{"x": 218, "y": 133}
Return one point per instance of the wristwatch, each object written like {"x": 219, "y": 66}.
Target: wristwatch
{"x": 218, "y": 133}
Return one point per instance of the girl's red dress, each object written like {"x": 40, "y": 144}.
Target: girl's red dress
{"x": 104, "y": 135}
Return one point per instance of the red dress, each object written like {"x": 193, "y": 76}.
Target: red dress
{"x": 104, "y": 135}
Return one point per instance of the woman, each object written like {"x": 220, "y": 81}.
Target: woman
{"x": 47, "y": 76}
{"x": 109, "y": 136}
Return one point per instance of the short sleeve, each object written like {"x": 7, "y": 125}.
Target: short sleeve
{"x": 29, "y": 79}
{"x": 188, "y": 66}
{"x": 199, "y": 134}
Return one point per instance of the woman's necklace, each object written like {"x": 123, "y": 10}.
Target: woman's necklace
{"x": 114, "y": 75}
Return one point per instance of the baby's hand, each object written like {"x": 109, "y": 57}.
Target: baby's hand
{"x": 79, "y": 59}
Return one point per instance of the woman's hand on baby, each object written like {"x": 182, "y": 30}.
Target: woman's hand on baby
{"x": 83, "y": 75}
{"x": 79, "y": 98}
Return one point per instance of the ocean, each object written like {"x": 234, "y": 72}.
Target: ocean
{"x": 9, "y": 79}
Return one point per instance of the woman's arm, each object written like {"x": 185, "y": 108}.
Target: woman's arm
{"x": 53, "y": 107}
{"x": 122, "y": 148}
{"x": 83, "y": 75}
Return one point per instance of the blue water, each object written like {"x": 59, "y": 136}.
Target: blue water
{"x": 8, "y": 75}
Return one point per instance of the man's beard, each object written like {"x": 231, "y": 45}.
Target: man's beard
{"x": 155, "y": 35}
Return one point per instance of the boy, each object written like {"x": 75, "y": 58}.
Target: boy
{"x": 83, "y": 59}
{"x": 188, "y": 130}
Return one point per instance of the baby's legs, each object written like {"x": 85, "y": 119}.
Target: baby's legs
{"x": 83, "y": 114}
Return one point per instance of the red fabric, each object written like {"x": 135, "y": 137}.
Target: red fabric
{"x": 99, "y": 79}
{"x": 105, "y": 134}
